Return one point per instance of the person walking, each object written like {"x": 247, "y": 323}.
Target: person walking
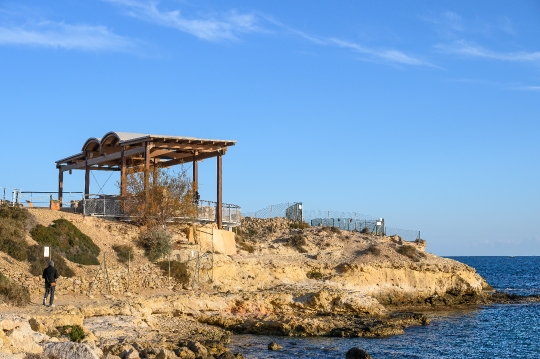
{"x": 50, "y": 274}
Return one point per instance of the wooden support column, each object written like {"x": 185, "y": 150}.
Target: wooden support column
{"x": 146, "y": 165}
{"x": 60, "y": 186}
{"x": 87, "y": 181}
{"x": 195, "y": 172}
{"x": 219, "y": 205}
{"x": 123, "y": 174}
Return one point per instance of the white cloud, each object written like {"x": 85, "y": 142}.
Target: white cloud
{"x": 227, "y": 27}
{"x": 390, "y": 55}
{"x": 528, "y": 88}
{"x": 472, "y": 50}
{"x": 60, "y": 35}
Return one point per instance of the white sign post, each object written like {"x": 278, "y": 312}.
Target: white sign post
{"x": 46, "y": 252}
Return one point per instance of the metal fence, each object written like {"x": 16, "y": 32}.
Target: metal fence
{"x": 112, "y": 206}
{"x": 348, "y": 221}
{"x": 37, "y": 198}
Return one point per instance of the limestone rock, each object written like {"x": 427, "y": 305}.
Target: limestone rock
{"x": 198, "y": 349}
{"x": 274, "y": 346}
{"x": 357, "y": 353}
{"x": 70, "y": 350}
{"x": 184, "y": 353}
{"x": 166, "y": 354}
{"x": 17, "y": 336}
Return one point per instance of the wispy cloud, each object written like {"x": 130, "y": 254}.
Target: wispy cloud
{"x": 527, "y": 88}
{"x": 447, "y": 21}
{"x": 394, "y": 56}
{"x": 386, "y": 55}
{"x": 472, "y": 50}
{"x": 224, "y": 27}
{"x": 61, "y": 35}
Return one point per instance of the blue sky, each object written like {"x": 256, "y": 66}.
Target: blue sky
{"x": 424, "y": 113}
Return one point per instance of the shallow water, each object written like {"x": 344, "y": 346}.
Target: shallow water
{"x": 497, "y": 331}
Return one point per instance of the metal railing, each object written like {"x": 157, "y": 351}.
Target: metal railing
{"x": 112, "y": 206}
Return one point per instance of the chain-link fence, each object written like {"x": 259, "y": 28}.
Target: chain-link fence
{"x": 407, "y": 234}
{"x": 348, "y": 221}
{"x": 112, "y": 206}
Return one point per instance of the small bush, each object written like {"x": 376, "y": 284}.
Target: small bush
{"x": 75, "y": 333}
{"x": 15, "y": 249}
{"x": 298, "y": 225}
{"x": 17, "y": 213}
{"x": 12, "y": 239}
{"x": 123, "y": 252}
{"x": 156, "y": 242}
{"x": 251, "y": 232}
{"x": 332, "y": 229}
{"x": 38, "y": 263}
{"x": 373, "y": 250}
{"x": 62, "y": 236}
{"x": 178, "y": 271}
{"x": 298, "y": 241}
{"x": 13, "y": 293}
{"x": 410, "y": 252}
{"x": 246, "y": 246}
{"x": 365, "y": 230}
{"x": 314, "y": 275}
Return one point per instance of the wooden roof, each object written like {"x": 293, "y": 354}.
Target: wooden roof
{"x": 105, "y": 153}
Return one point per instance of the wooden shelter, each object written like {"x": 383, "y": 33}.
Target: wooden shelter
{"x": 117, "y": 151}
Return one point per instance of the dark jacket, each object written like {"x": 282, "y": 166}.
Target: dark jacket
{"x": 50, "y": 274}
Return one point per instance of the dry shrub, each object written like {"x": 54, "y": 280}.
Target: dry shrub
{"x": 246, "y": 246}
{"x": 13, "y": 293}
{"x": 410, "y": 252}
{"x": 13, "y": 222}
{"x": 314, "y": 275}
{"x": 155, "y": 197}
{"x": 373, "y": 250}
{"x": 123, "y": 252}
{"x": 332, "y": 229}
{"x": 298, "y": 241}
{"x": 298, "y": 225}
{"x": 156, "y": 242}
{"x": 178, "y": 270}
{"x": 365, "y": 230}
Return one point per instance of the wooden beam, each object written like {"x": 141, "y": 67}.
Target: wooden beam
{"x": 101, "y": 159}
{"x": 188, "y": 157}
{"x": 189, "y": 147}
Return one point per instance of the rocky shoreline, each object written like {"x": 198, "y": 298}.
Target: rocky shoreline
{"x": 197, "y": 325}
{"x": 283, "y": 281}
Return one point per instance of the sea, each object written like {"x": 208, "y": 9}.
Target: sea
{"x": 493, "y": 331}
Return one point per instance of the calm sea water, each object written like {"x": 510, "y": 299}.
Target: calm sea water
{"x": 496, "y": 331}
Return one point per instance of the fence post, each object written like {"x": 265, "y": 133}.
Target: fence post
{"x": 418, "y": 234}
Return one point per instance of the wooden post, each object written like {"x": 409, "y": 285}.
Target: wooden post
{"x": 195, "y": 172}
{"x": 146, "y": 164}
{"x": 60, "y": 186}
{"x": 123, "y": 175}
{"x": 87, "y": 181}
{"x": 219, "y": 205}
